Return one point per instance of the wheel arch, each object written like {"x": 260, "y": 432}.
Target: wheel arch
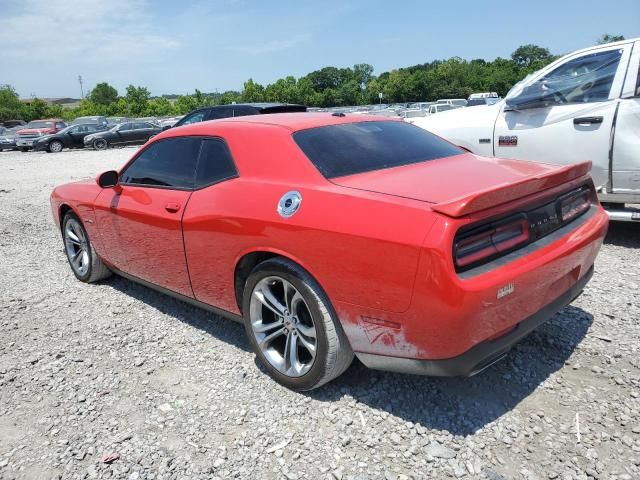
{"x": 63, "y": 209}
{"x": 248, "y": 260}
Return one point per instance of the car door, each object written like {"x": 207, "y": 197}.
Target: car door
{"x": 565, "y": 114}
{"x": 140, "y": 220}
{"x": 142, "y": 132}
{"x": 625, "y": 178}
{"x": 76, "y": 135}
{"x": 122, "y": 135}
{"x": 209, "y": 227}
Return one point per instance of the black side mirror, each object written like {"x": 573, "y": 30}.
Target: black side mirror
{"x": 539, "y": 94}
{"x": 108, "y": 179}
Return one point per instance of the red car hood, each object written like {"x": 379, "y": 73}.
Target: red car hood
{"x": 465, "y": 183}
{"x": 39, "y": 131}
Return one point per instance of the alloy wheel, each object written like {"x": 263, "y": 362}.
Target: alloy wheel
{"x": 283, "y": 326}
{"x": 76, "y": 247}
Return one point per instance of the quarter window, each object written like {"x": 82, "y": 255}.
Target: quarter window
{"x": 167, "y": 163}
{"x": 215, "y": 163}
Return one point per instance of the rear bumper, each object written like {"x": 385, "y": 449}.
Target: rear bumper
{"x": 481, "y": 355}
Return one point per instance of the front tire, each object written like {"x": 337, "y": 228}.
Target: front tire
{"x": 292, "y": 326}
{"x": 100, "y": 144}
{"x": 85, "y": 263}
{"x": 56, "y": 146}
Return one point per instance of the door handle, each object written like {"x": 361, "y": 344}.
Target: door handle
{"x": 172, "y": 207}
{"x": 587, "y": 120}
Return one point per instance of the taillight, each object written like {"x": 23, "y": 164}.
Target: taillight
{"x": 490, "y": 241}
{"x": 575, "y": 204}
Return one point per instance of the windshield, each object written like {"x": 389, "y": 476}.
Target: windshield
{"x": 339, "y": 150}
{"x": 38, "y": 124}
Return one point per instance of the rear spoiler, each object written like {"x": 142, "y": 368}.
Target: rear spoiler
{"x": 477, "y": 201}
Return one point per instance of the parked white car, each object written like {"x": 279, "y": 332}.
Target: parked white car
{"x": 456, "y": 102}
{"x": 583, "y": 106}
{"x": 440, "y": 107}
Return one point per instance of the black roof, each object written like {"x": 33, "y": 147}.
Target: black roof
{"x": 261, "y": 106}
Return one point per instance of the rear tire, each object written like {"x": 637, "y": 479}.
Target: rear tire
{"x": 285, "y": 310}
{"x": 85, "y": 263}
{"x": 100, "y": 144}
{"x": 24, "y": 149}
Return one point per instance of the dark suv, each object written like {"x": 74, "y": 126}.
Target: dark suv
{"x": 236, "y": 110}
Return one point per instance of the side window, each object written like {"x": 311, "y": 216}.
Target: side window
{"x": 60, "y": 125}
{"x": 167, "y": 163}
{"x": 584, "y": 79}
{"x": 217, "y": 113}
{"x": 215, "y": 163}
{"x": 195, "y": 118}
{"x": 125, "y": 127}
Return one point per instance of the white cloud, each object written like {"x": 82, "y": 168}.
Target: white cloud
{"x": 81, "y": 31}
{"x": 271, "y": 46}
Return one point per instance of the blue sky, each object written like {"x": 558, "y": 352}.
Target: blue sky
{"x": 176, "y": 46}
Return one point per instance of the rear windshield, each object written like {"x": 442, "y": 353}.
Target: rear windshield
{"x": 351, "y": 148}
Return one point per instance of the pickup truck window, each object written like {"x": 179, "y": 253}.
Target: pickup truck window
{"x": 584, "y": 79}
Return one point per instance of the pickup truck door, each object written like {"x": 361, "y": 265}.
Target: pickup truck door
{"x": 625, "y": 177}
{"x": 573, "y": 118}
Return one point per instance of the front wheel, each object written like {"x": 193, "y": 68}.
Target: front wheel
{"x": 55, "y": 146}
{"x": 100, "y": 144}
{"x": 84, "y": 262}
{"x": 24, "y": 149}
{"x": 291, "y": 324}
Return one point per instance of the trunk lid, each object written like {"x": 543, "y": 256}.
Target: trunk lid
{"x": 467, "y": 183}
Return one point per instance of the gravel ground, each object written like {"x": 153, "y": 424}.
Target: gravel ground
{"x": 116, "y": 381}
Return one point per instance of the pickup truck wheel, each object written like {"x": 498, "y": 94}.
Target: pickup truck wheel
{"x": 55, "y": 146}
{"x": 100, "y": 144}
{"x": 292, "y": 326}
{"x": 83, "y": 259}
{"x": 24, "y": 149}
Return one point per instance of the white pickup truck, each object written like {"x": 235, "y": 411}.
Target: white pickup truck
{"x": 583, "y": 106}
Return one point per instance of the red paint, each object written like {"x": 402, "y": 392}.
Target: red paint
{"x": 42, "y": 131}
{"x": 379, "y": 243}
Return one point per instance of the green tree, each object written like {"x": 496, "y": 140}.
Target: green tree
{"x": 606, "y": 38}
{"x": 530, "y": 55}
{"x": 252, "y": 91}
{"x": 158, "y": 107}
{"x": 103, "y": 94}
{"x": 36, "y": 108}
{"x": 10, "y": 105}
{"x": 137, "y": 99}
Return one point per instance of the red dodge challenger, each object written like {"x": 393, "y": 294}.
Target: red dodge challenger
{"x": 332, "y": 235}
